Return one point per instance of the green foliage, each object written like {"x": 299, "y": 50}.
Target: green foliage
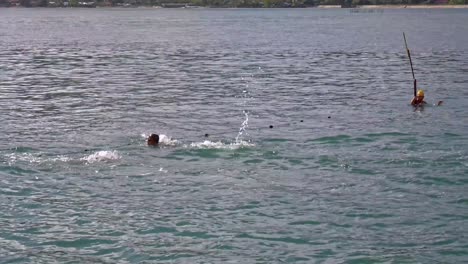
{"x": 361, "y": 2}
{"x": 26, "y": 3}
{"x": 272, "y": 3}
{"x": 330, "y": 2}
{"x": 241, "y": 3}
{"x": 311, "y": 2}
{"x": 115, "y": 2}
{"x": 197, "y": 2}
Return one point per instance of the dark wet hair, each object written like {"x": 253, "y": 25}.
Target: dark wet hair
{"x": 153, "y": 140}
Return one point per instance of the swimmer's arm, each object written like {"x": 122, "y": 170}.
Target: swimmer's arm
{"x": 413, "y": 102}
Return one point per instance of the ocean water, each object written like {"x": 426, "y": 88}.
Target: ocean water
{"x": 289, "y": 137}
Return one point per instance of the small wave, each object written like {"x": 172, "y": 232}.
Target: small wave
{"x": 34, "y": 158}
{"x": 103, "y": 155}
{"x": 332, "y": 139}
{"x": 220, "y": 145}
{"x": 23, "y": 157}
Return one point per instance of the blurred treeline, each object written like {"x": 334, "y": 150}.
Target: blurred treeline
{"x": 220, "y": 3}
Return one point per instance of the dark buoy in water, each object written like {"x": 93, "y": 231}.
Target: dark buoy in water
{"x": 302, "y": 121}
{"x": 206, "y": 135}
{"x": 329, "y": 116}
{"x": 271, "y": 126}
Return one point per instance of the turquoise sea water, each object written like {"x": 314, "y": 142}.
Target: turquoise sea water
{"x": 348, "y": 173}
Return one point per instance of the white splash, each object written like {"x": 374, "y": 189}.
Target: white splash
{"x": 23, "y": 157}
{"x": 61, "y": 158}
{"x": 34, "y": 158}
{"x": 163, "y": 139}
{"x": 220, "y": 145}
{"x": 103, "y": 155}
{"x": 243, "y": 127}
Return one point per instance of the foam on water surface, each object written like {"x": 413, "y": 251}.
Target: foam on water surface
{"x": 103, "y": 155}
{"x": 219, "y": 145}
{"x": 39, "y": 158}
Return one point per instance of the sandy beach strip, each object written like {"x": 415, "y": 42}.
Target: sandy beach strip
{"x": 397, "y": 6}
{"x": 413, "y": 6}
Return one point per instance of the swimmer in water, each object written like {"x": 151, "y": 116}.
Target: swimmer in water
{"x": 153, "y": 140}
{"x": 418, "y": 100}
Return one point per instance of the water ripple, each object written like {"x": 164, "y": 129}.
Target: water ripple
{"x": 289, "y": 136}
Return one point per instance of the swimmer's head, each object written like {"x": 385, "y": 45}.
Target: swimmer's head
{"x": 153, "y": 140}
{"x": 420, "y": 93}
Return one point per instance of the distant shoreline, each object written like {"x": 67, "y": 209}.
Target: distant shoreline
{"x": 412, "y": 6}
{"x": 395, "y": 6}
{"x": 319, "y": 7}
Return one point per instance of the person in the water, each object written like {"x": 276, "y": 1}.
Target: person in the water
{"x": 418, "y": 100}
{"x": 153, "y": 140}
